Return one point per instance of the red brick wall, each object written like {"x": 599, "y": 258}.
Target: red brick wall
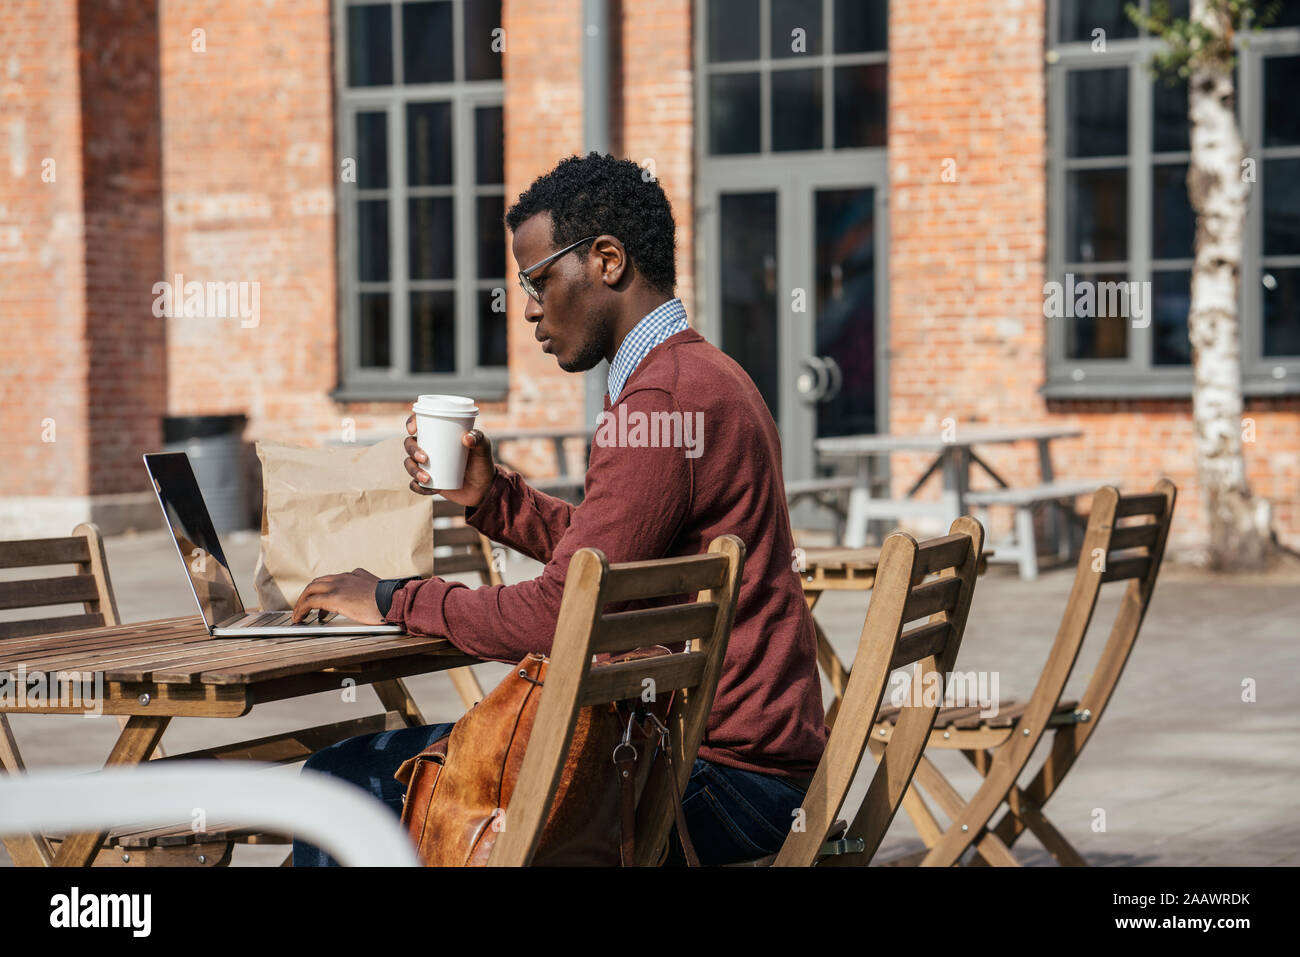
{"x": 43, "y": 359}
{"x": 1135, "y": 441}
{"x": 245, "y": 157}
{"x": 249, "y": 181}
{"x": 967, "y": 83}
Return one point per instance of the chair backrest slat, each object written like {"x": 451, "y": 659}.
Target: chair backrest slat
{"x": 573, "y": 680}
{"x": 1119, "y": 569}
{"x": 457, "y": 535}
{"x": 929, "y": 639}
{"x": 34, "y": 592}
{"x": 931, "y": 598}
{"x": 1134, "y": 536}
{"x": 1146, "y": 503}
{"x": 454, "y": 564}
{"x": 937, "y": 554}
{"x": 627, "y": 679}
{"x": 635, "y": 581}
{"x": 445, "y": 508}
{"x": 26, "y": 627}
{"x": 626, "y": 630}
{"x": 34, "y": 552}
{"x": 899, "y": 594}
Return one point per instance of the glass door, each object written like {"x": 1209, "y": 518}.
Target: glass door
{"x": 843, "y": 361}
{"x": 795, "y": 291}
{"x": 750, "y": 328}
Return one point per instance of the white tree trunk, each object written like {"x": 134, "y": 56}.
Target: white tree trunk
{"x": 1218, "y": 190}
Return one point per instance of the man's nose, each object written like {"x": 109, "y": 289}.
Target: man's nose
{"x": 532, "y": 309}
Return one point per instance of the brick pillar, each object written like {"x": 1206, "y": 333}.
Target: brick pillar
{"x": 651, "y": 115}
{"x": 543, "y": 124}
{"x": 122, "y": 193}
{"x": 966, "y": 85}
{"x": 80, "y": 246}
{"x": 657, "y": 115}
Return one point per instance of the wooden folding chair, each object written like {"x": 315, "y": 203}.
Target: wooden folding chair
{"x": 90, "y": 586}
{"x": 903, "y": 593}
{"x": 999, "y": 747}
{"x": 573, "y": 680}
{"x": 468, "y": 551}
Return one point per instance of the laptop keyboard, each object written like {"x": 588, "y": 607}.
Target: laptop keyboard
{"x": 273, "y": 618}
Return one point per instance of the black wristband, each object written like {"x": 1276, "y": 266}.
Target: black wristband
{"x": 384, "y": 592}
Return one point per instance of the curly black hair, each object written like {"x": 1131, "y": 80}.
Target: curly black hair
{"x": 594, "y": 194}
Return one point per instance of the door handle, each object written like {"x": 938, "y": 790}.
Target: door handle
{"x": 812, "y": 385}
{"x": 836, "y": 379}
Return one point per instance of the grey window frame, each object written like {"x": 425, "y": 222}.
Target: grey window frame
{"x": 359, "y": 383}
{"x": 782, "y": 173}
{"x": 1134, "y": 376}
{"x": 765, "y": 65}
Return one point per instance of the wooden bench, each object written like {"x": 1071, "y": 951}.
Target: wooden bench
{"x": 1023, "y": 549}
{"x": 828, "y": 491}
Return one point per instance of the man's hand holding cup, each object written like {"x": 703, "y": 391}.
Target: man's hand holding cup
{"x": 460, "y": 454}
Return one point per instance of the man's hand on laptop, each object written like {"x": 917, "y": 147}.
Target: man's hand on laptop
{"x": 351, "y": 594}
{"x": 479, "y": 468}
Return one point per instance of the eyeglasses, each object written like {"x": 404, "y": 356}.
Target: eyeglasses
{"x": 528, "y": 285}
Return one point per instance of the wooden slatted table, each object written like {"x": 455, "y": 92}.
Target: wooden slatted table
{"x": 154, "y": 671}
{"x": 842, "y": 569}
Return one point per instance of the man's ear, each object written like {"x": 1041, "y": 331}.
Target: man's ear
{"x": 612, "y": 257}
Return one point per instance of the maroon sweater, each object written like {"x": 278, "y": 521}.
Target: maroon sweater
{"x": 643, "y": 502}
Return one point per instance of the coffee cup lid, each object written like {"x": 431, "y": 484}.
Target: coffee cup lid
{"x": 445, "y": 405}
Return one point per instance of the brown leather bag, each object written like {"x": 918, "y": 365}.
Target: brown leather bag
{"x": 458, "y": 788}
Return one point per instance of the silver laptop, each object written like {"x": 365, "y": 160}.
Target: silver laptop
{"x": 208, "y": 571}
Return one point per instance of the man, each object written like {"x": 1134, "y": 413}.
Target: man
{"x": 599, "y": 240}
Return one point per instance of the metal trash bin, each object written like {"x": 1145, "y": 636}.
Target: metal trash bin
{"x": 214, "y": 444}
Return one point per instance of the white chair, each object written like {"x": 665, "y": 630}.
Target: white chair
{"x": 355, "y": 829}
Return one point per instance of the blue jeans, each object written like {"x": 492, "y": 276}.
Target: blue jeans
{"x": 732, "y": 815}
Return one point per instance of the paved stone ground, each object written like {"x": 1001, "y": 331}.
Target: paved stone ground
{"x": 1185, "y": 772}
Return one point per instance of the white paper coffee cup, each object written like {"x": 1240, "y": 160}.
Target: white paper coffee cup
{"x": 440, "y": 422}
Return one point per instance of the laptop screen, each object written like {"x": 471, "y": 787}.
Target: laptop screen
{"x": 196, "y": 539}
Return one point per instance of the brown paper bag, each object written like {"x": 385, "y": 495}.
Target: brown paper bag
{"x": 328, "y": 511}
